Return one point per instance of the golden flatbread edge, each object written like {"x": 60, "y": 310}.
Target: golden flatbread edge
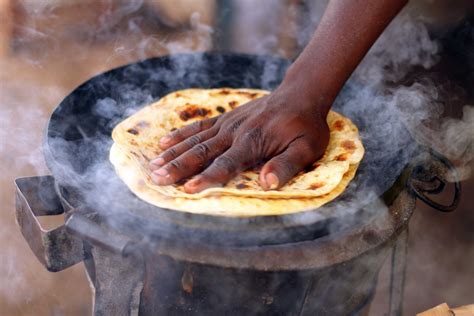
{"x": 228, "y": 206}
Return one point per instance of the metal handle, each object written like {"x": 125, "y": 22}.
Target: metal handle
{"x": 87, "y": 229}
{"x": 56, "y": 249}
{"x": 430, "y": 177}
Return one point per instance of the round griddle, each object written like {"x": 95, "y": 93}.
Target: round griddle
{"x": 79, "y": 138}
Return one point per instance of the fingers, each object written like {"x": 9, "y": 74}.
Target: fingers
{"x": 280, "y": 169}
{"x": 177, "y": 150}
{"x": 184, "y": 132}
{"x": 190, "y": 162}
{"x": 221, "y": 170}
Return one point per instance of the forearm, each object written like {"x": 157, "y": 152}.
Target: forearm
{"x": 346, "y": 32}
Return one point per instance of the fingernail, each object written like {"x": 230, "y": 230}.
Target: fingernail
{"x": 161, "y": 177}
{"x": 158, "y": 161}
{"x": 272, "y": 181}
{"x": 165, "y": 140}
{"x": 161, "y": 172}
{"x": 156, "y": 179}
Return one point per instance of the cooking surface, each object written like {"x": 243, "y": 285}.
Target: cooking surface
{"x": 78, "y": 142}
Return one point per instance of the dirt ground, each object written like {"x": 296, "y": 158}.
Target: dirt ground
{"x": 34, "y": 80}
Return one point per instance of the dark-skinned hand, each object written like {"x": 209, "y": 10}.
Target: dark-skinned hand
{"x": 287, "y": 129}
{"x": 273, "y": 129}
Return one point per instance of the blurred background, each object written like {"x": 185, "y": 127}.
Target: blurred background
{"x": 49, "y": 47}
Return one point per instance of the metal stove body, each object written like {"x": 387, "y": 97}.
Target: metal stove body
{"x": 330, "y": 275}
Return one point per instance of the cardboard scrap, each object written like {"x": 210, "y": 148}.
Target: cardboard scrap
{"x": 466, "y": 310}
{"x": 444, "y": 310}
{"x": 440, "y": 310}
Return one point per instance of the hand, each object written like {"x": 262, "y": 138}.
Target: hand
{"x": 285, "y": 129}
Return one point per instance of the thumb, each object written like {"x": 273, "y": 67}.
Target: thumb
{"x": 281, "y": 168}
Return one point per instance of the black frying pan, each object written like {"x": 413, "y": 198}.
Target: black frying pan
{"x": 78, "y": 142}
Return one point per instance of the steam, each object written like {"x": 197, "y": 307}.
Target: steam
{"x": 405, "y": 44}
{"x": 377, "y": 97}
{"x": 39, "y": 70}
{"x": 454, "y": 138}
{"x": 23, "y": 115}
{"x": 262, "y": 39}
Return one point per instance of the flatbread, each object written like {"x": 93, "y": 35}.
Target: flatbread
{"x": 223, "y": 205}
{"x": 138, "y": 138}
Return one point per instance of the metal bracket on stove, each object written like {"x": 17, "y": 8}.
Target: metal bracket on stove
{"x": 56, "y": 249}
{"x": 83, "y": 227}
{"x": 430, "y": 177}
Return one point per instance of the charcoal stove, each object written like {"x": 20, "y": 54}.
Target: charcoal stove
{"x": 146, "y": 260}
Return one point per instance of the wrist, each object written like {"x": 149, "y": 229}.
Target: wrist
{"x": 305, "y": 93}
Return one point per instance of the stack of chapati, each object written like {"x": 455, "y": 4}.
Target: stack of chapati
{"x": 136, "y": 143}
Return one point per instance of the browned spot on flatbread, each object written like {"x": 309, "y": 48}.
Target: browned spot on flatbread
{"x": 192, "y": 111}
{"x": 315, "y": 186}
{"x": 338, "y": 125}
{"x": 233, "y": 104}
{"x": 241, "y": 186}
{"x": 251, "y": 95}
{"x": 173, "y": 129}
{"x": 296, "y": 177}
{"x": 220, "y": 92}
{"x": 133, "y": 142}
{"x": 133, "y": 131}
{"x": 220, "y": 109}
{"x": 178, "y": 187}
{"x": 246, "y": 177}
{"x": 178, "y": 95}
{"x": 341, "y": 157}
{"x": 349, "y": 145}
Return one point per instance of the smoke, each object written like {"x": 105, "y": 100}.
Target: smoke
{"x": 377, "y": 99}
{"x": 262, "y": 39}
{"x": 417, "y": 97}
{"x": 52, "y": 52}
{"x": 405, "y": 44}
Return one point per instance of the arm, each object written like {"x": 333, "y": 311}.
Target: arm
{"x": 346, "y": 32}
{"x": 288, "y": 128}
